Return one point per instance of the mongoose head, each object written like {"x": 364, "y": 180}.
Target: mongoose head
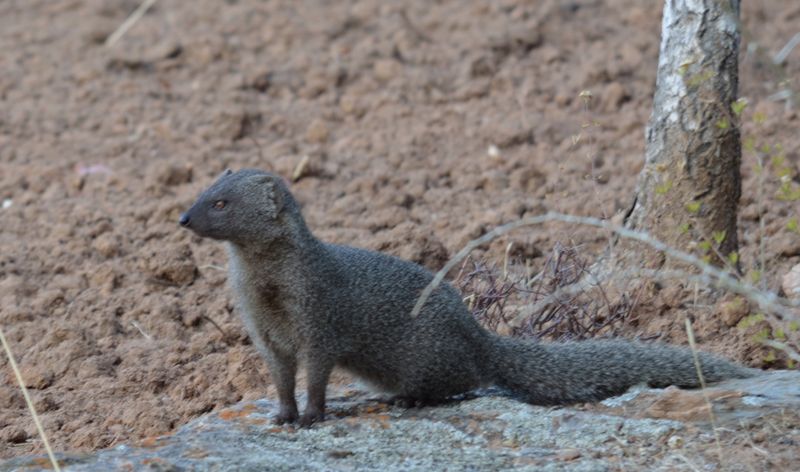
{"x": 243, "y": 207}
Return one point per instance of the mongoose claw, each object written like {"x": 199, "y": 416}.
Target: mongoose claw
{"x": 411, "y": 402}
{"x": 285, "y": 416}
{"x": 402, "y": 402}
{"x": 308, "y": 419}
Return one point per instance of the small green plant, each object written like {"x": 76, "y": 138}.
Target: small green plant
{"x": 772, "y": 169}
{"x": 774, "y": 172}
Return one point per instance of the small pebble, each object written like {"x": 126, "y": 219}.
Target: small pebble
{"x": 675, "y": 442}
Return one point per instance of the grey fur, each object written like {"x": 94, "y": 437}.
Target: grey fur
{"x": 330, "y": 305}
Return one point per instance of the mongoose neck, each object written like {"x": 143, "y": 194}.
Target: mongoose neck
{"x": 295, "y": 249}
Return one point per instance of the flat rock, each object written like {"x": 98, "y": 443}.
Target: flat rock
{"x": 489, "y": 432}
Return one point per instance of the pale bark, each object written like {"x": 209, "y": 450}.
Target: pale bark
{"x": 689, "y": 188}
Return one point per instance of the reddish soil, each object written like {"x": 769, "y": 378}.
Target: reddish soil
{"x": 115, "y": 314}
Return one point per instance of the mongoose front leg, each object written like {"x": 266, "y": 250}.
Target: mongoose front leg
{"x": 283, "y": 368}
{"x": 319, "y": 371}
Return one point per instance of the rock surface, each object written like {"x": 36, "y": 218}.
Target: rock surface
{"x": 489, "y": 432}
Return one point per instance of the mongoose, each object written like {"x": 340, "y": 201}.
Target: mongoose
{"x": 329, "y": 305}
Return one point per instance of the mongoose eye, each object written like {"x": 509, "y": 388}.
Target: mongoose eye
{"x": 219, "y": 204}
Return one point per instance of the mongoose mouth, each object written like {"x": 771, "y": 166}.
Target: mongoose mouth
{"x": 196, "y": 227}
{"x": 198, "y": 223}
{"x": 186, "y": 221}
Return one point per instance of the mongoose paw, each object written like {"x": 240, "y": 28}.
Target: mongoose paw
{"x": 309, "y": 418}
{"x": 285, "y": 416}
{"x": 403, "y": 402}
{"x": 408, "y": 402}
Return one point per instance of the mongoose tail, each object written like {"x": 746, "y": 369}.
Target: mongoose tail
{"x": 572, "y": 372}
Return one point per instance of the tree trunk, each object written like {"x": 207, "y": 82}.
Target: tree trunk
{"x": 689, "y": 188}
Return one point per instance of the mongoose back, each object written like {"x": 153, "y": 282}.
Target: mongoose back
{"x": 303, "y": 300}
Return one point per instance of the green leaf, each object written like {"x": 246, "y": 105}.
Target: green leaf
{"x": 788, "y": 192}
{"x": 759, "y": 118}
{"x": 738, "y": 106}
{"x": 791, "y": 225}
{"x": 693, "y": 207}
{"x": 699, "y": 78}
{"x": 719, "y": 236}
{"x": 761, "y": 335}
{"x": 733, "y": 258}
{"x": 704, "y": 246}
{"x": 794, "y": 325}
{"x": 663, "y": 188}
{"x": 723, "y": 123}
{"x": 770, "y": 357}
{"x": 684, "y": 228}
{"x": 755, "y": 276}
{"x": 749, "y": 144}
{"x": 779, "y": 334}
{"x": 750, "y": 320}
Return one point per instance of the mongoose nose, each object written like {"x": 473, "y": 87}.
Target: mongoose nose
{"x": 184, "y": 219}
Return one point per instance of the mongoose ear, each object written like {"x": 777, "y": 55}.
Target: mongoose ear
{"x": 224, "y": 174}
{"x": 268, "y": 192}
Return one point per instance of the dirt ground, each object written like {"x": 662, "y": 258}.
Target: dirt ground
{"x": 422, "y": 124}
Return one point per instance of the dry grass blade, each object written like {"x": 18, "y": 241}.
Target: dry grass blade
{"x": 129, "y": 22}
{"x": 699, "y": 368}
{"x": 301, "y": 169}
{"x": 506, "y": 299}
{"x": 716, "y": 277}
{"x": 28, "y": 401}
{"x": 778, "y": 308}
{"x": 781, "y": 56}
{"x": 488, "y": 294}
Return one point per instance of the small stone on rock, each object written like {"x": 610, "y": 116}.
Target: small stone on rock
{"x": 386, "y": 69}
{"x": 675, "y": 442}
{"x": 107, "y": 244}
{"x": 568, "y": 454}
{"x": 791, "y": 283}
